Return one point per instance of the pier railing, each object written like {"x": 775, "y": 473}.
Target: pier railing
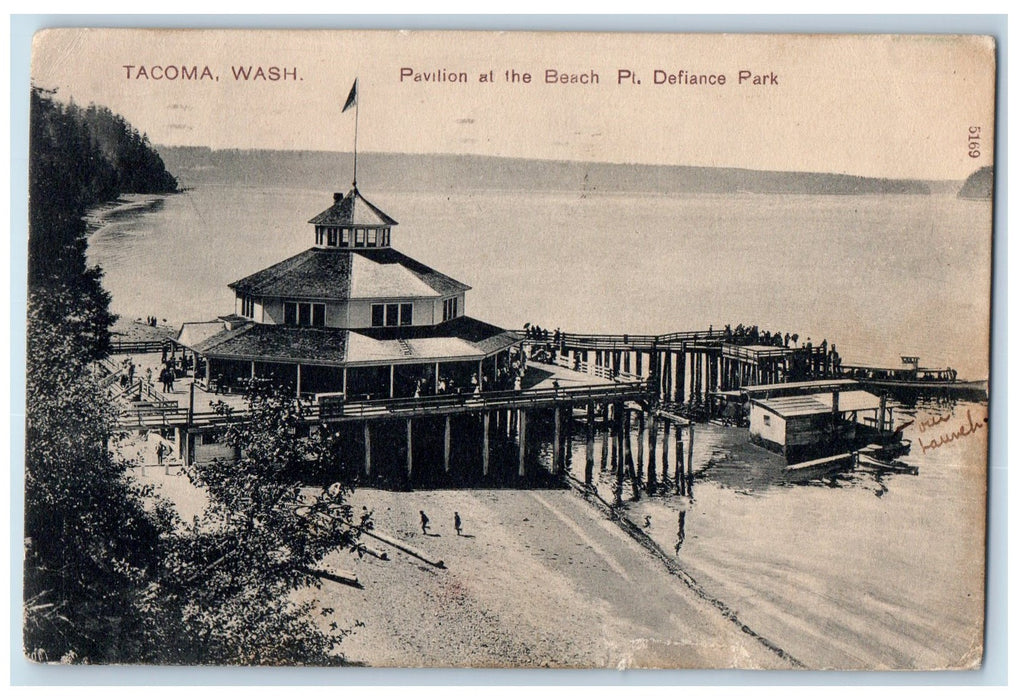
{"x": 140, "y": 347}
{"x": 166, "y": 416}
{"x": 626, "y": 341}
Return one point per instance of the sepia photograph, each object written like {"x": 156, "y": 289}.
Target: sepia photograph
{"x": 473, "y": 349}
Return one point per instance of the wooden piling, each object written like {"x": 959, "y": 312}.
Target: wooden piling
{"x": 588, "y": 469}
{"x": 485, "y": 452}
{"x": 556, "y": 456}
{"x": 680, "y": 465}
{"x": 367, "y": 448}
{"x": 639, "y": 444}
{"x": 652, "y": 450}
{"x": 409, "y": 449}
{"x": 664, "y": 449}
{"x": 680, "y": 394}
{"x": 522, "y": 434}
{"x": 628, "y": 449}
{"x": 604, "y": 442}
{"x": 689, "y": 462}
{"x": 447, "y": 444}
{"x": 619, "y": 467}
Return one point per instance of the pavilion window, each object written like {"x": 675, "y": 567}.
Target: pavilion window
{"x": 332, "y": 237}
{"x": 358, "y": 238}
{"x": 406, "y": 314}
{"x": 319, "y": 235}
{"x": 392, "y": 314}
{"x": 385, "y": 237}
{"x": 450, "y": 308}
{"x": 304, "y": 314}
{"x": 344, "y": 240}
{"x": 378, "y": 314}
{"x": 247, "y": 306}
{"x": 372, "y": 238}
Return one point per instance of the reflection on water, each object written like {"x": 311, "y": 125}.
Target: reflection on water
{"x": 845, "y": 569}
{"x": 681, "y": 534}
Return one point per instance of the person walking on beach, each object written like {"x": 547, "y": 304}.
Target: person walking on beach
{"x": 424, "y": 523}
{"x": 458, "y": 524}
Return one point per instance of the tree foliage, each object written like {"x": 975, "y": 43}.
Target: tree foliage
{"x": 91, "y": 545}
{"x": 230, "y": 575}
{"x": 111, "y": 574}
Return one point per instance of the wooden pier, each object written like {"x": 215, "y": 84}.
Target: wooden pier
{"x": 653, "y": 385}
{"x": 688, "y": 367}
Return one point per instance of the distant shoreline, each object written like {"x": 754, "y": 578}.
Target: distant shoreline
{"x": 325, "y": 170}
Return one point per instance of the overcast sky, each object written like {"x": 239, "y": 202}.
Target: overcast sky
{"x": 878, "y": 106}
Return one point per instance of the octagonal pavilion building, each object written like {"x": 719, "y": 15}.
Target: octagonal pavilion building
{"x": 351, "y": 315}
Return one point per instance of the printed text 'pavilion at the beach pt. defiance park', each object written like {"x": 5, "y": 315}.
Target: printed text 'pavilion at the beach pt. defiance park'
{"x": 517, "y": 76}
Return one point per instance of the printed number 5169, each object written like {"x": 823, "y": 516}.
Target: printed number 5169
{"x": 974, "y": 141}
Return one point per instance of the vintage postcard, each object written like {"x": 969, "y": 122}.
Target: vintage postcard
{"x": 575, "y": 350}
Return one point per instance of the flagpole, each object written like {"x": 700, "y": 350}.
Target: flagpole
{"x": 356, "y": 119}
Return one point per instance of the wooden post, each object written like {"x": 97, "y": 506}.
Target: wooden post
{"x": 436, "y": 378}
{"x": 409, "y": 449}
{"x": 522, "y": 420}
{"x": 556, "y": 461}
{"x": 447, "y": 443}
{"x": 567, "y": 458}
{"x": 588, "y": 469}
{"x": 344, "y": 380}
{"x": 639, "y": 445}
{"x": 666, "y": 377}
{"x": 680, "y": 464}
{"x": 620, "y": 469}
{"x": 367, "y": 448}
{"x": 680, "y": 394}
{"x": 392, "y": 381}
{"x": 628, "y": 448}
{"x": 298, "y": 380}
{"x": 484, "y": 445}
{"x": 689, "y": 462}
{"x": 604, "y": 442}
{"x": 652, "y": 451}
{"x": 664, "y": 448}
{"x": 615, "y": 442}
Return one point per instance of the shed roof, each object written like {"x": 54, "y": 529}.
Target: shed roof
{"x": 352, "y": 210}
{"x": 813, "y": 404}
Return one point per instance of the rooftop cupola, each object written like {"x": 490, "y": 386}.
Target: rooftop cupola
{"x": 352, "y": 222}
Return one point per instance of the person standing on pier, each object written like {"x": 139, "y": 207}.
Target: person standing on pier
{"x": 458, "y": 524}
{"x": 424, "y": 523}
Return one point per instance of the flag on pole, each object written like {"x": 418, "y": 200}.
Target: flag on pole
{"x": 351, "y": 99}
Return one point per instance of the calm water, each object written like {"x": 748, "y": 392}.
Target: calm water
{"x": 866, "y": 569}
{"x": 873, "y": 570}
{"x": 880, "y": 276}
